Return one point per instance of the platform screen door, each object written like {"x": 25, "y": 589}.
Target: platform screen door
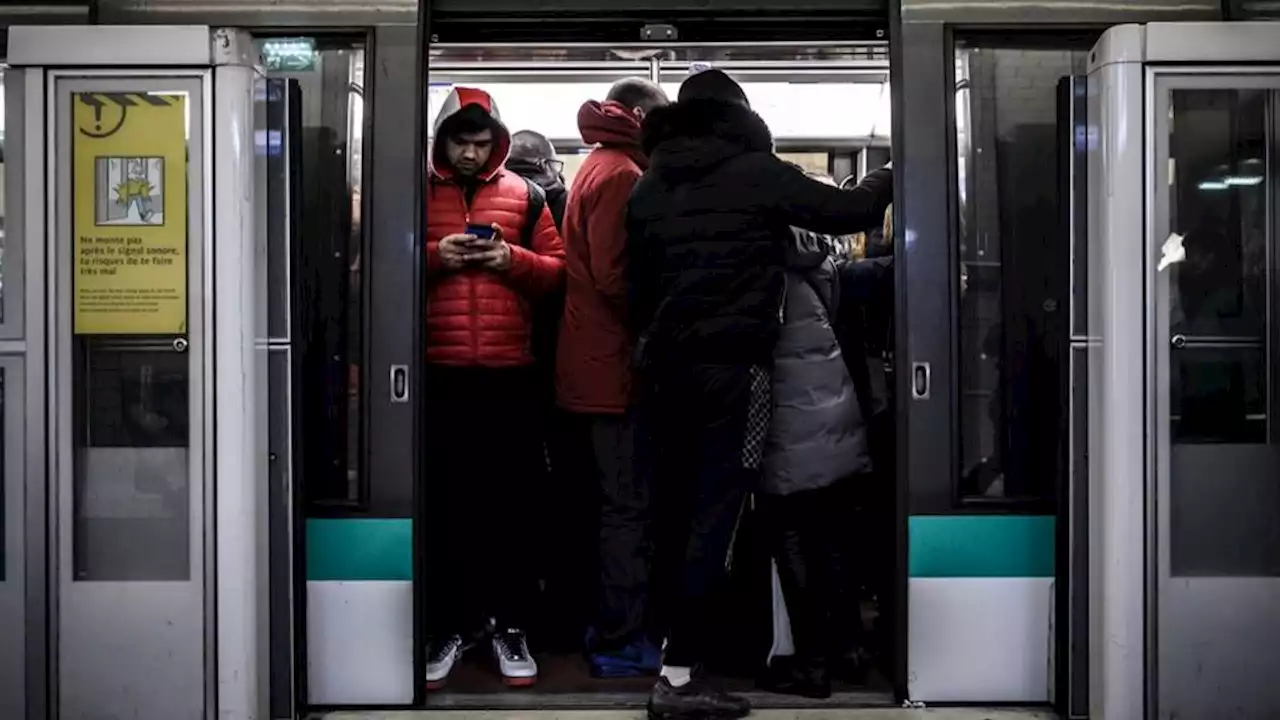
{"x": 1214, "y": 332}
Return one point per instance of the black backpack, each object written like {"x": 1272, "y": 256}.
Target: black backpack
{"x": 548, "y": 308}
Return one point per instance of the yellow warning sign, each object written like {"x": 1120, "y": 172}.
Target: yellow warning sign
{"x": 129, "y": 192}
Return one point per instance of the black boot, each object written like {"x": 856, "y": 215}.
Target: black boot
{"x": 794, "y": 676}
{"x": 852, "y": 668}
{"x": 695, "y": 700}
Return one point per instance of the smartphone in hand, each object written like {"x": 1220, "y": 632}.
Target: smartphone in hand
{"x": 482, "y": 232}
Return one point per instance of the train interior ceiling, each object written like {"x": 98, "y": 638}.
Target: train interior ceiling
{"x": 828, "y": 107}
{"x": 827, "y": 104}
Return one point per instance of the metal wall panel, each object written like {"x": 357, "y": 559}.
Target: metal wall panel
{"x": 248, "y": 13}
{"x": 351, "y": 13}
{"x": 12, "y": 528}
{"x": 45, "y": 12}
{"x": 393, "y": 259}
{"x": 657, "y": 7}
{"x": 1057, "y": 12}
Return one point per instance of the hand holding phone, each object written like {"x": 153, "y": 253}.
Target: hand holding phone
{"x": 480, "y": 232}
{"x": 488, "y": 249}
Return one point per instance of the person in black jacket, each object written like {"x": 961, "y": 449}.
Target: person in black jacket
{"x": 533, "y": 157}
{"x": 708, "y": 230}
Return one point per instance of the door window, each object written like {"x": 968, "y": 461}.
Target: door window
{"x": 1221, "y": 286}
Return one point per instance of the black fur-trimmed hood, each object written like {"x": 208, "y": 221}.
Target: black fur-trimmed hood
{"x": 690, "y": 137}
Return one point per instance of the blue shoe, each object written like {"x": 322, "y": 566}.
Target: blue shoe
{"x": 639, "y": 659}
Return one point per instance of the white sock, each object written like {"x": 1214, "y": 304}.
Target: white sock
{"x": 677, "y": 676}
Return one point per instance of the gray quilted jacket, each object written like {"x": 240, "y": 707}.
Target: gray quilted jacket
{"x": 817, "y": 435}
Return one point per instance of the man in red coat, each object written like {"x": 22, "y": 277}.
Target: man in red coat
{"x": 482, "y": 442}
{"x": 593, "y": 371}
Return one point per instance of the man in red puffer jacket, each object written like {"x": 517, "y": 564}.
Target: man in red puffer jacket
{"x": 593, "y": 373}
{"x": 483, "y": 445}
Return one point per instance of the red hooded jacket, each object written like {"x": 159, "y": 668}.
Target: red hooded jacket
{"x": 593, "y": 361}
{"x": 475, "y": 316}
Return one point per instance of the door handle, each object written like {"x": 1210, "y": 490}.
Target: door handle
{"x": 399, "y": 384}
{"x": 920, "y": 377}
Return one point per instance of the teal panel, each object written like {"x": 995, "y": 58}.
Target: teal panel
{"x": 955, "y": 546}
{"x": 359, "y": 549}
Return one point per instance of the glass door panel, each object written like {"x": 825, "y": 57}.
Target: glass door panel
{"x": 1217, "y": 481}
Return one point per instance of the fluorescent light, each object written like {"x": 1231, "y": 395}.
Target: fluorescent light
{"x": 1242, "y": 180}
{"x": 1213, "y": 185}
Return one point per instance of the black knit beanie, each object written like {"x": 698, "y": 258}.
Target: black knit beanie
{"x": 712, "y": 85}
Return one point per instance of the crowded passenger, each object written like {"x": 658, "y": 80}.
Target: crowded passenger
{"x": 817, "y": 440}
{"x": 488, "y": 259}
{"x": 533, "y": 157}
{"x": 594, "y": 377}
{"x": 709, "y": 227}
{"x": 864, "y": 326}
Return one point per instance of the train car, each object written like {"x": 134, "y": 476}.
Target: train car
{"x": 1040, "y": 532}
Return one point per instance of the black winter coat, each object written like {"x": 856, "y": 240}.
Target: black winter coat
{"x": 709, "y": 226}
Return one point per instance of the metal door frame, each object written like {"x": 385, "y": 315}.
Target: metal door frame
{"x": 460, "y": 30}
{"x": 1071, "y": 598}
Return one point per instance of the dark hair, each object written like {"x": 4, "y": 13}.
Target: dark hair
{"x": 638, "y": 93}
{"x": 531, "y": 145}
{"x": 471, "y": 119}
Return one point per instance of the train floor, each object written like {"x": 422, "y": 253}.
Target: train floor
{"x": 564, "y": 681}
{"x": 778, "y": 714}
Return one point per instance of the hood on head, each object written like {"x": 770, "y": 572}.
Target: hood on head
{"x": 689, "y": 137}
{"x": 608, "y": 123}
{"x": 712, "y": 84}
{"x": 459, "y": 98}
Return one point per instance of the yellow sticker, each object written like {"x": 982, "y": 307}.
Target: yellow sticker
{"x": 129, "y": 192}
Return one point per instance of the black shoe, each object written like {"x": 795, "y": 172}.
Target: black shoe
{"x": 853, "y": 668}
{"x": 696, "y": 700}
{"x": 788, "y": 676}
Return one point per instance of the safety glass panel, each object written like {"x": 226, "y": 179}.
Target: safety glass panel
{"x": 1214, "y": 334}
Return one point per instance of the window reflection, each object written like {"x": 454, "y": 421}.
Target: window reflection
{"x": 1217, "y": 317}
{"x": 1013, "y": 256}
{"x": 323, "y": 271}
{"x": 1223, "y": 495}
{"x": 132, "y": 489}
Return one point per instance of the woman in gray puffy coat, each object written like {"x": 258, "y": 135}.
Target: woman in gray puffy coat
{"x": 817, "y": 437}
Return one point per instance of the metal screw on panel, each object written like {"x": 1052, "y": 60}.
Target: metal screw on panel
{"x": 180, "y": 344}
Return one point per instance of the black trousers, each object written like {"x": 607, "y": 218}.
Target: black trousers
{"x": 597, "y": 519}
{"x": 618, "y": 446}
{"x": 708, "y": 428}
{"x": 819, "y": 582}
{"x": 484, "y": 458}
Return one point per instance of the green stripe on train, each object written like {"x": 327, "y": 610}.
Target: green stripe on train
{"x": 981, "y": 546}
{"x": 359, "y": 549}
{"x": 942, "y": 546}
